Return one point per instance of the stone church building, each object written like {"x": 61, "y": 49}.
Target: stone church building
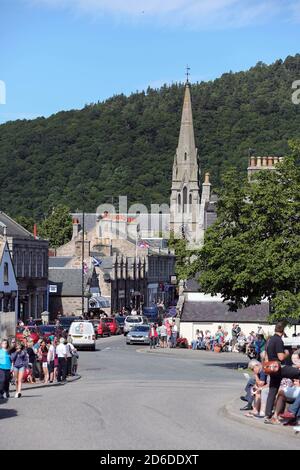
{"x": 191, "y": 210}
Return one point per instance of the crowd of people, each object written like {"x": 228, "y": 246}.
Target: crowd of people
{"x": 163, "y": 334}
{"x": 253, "y": 344}
{"x": 46, "y": 361}
{"x": 273, "y": 392}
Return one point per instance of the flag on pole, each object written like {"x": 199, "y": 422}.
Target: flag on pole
{"x": 143, "y": 244}
{"x": 85, "y": 268}
{"x": 96, "y": 261}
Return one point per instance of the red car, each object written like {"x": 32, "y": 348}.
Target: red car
{"x": 34, "y": 333}
{"x": 102, "y": 328}
{"x": 113, "y": 325}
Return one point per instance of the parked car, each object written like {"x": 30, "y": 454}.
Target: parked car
{"x": 65, "y": 322}
{"x": 48, "y": 330}
{"x": 34, "y": 333}
{"x": 83, "y": 335}
{"x": 103, "y": 328}
{"x": 139, "y": 334}
{"x": 132, "y": 321}
{"x": 113, "y": 325}
{"x": 121, "y": 320}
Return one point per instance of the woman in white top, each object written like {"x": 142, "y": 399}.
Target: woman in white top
{"x": 50, "y": 359}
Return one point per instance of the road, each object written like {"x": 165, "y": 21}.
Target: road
{"x": 128, "y": 399}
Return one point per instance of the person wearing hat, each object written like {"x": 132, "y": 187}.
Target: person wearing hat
{"x": 61, "y": 352}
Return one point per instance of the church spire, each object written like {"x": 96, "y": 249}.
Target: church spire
{"x": 185, "y": 195}
{"x": 186, "y": 150}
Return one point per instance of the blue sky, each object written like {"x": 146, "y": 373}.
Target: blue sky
{"x": 61, "y": 54}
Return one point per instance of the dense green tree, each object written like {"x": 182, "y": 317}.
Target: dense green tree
{"x": 126, "y": 145}
{"x": 57, "y": 227}
{"x": 26, "y": 222}
{"x": 252, "y": 252}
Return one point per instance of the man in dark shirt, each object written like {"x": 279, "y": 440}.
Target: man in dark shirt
{"x": 276, "y": 352}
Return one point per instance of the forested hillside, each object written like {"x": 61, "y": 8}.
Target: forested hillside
{"x": 126, "y": 145}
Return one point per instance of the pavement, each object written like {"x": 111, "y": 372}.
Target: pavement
{"x": 37, "y": 385}
{"x": 131, "y": 398}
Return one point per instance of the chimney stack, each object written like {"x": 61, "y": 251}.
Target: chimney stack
{"x": 206, "y": 188}
{"x": 76, "y": 228}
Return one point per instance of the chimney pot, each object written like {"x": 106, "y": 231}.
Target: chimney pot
{"x": 270, "y": 161}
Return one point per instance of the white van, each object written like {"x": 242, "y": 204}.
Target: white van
{"x": 83, "y": 334}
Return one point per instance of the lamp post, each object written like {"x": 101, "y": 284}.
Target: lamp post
{"x": 83, "y": 199}
{"x": 82, "y": 265}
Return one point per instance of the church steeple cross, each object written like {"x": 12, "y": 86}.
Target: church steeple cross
{"x": 187, "y": 73}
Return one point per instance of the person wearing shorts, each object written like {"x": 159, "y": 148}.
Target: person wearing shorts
{"x": 163, "y": 336}
{"x": 43, "y": 354}
{"x": 20, "y": 362}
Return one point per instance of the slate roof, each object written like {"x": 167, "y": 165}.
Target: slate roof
{"x": 13, "y": 229}
{"x": 192, "y": 285}
{"x": 208, "y": 312}
{"x": 67, "y": 280}
{"x": 59, "y": 261}
{"x": 90, "y": 220}
{"x": 2, "y": 246}
{"x": 107, "y": 263}
{"x": 210, "y": 214}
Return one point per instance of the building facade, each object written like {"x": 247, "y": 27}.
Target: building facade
{"x": 30, "y": 260}
{"x": 188, "y": 206}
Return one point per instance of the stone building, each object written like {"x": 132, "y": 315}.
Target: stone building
{"x": 188, "y": 207}
{"x": 129, "y": 273}
{"x": 30, "y": 260}
{"x": 262, "y": 163}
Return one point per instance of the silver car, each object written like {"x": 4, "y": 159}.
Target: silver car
{"x": 134, "y": 320}
{"x": 139, "y": 334}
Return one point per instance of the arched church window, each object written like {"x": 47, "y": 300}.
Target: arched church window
{"x": 190, "y": 202}
{"x": 184, "y": 197}
{"x": 179, "y": 203}
{"x": 185, "y": 156}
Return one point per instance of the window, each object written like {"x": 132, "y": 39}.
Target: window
{"x": 6, "y": 279}
{"x": 39, "y": 265}
{"x": 190, "y": 202}
{"x": 16, "y": 262}
{"x": 184, "y": 197}
{"x": 20, "y": 264}
{"x": 33, "y": 268}
{"x": 26, "y": 262}
{"x": 185, "y": 156}
{"x": 179, "y": 203}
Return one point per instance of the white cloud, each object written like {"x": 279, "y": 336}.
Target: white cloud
{"x": 194, "y": 13}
